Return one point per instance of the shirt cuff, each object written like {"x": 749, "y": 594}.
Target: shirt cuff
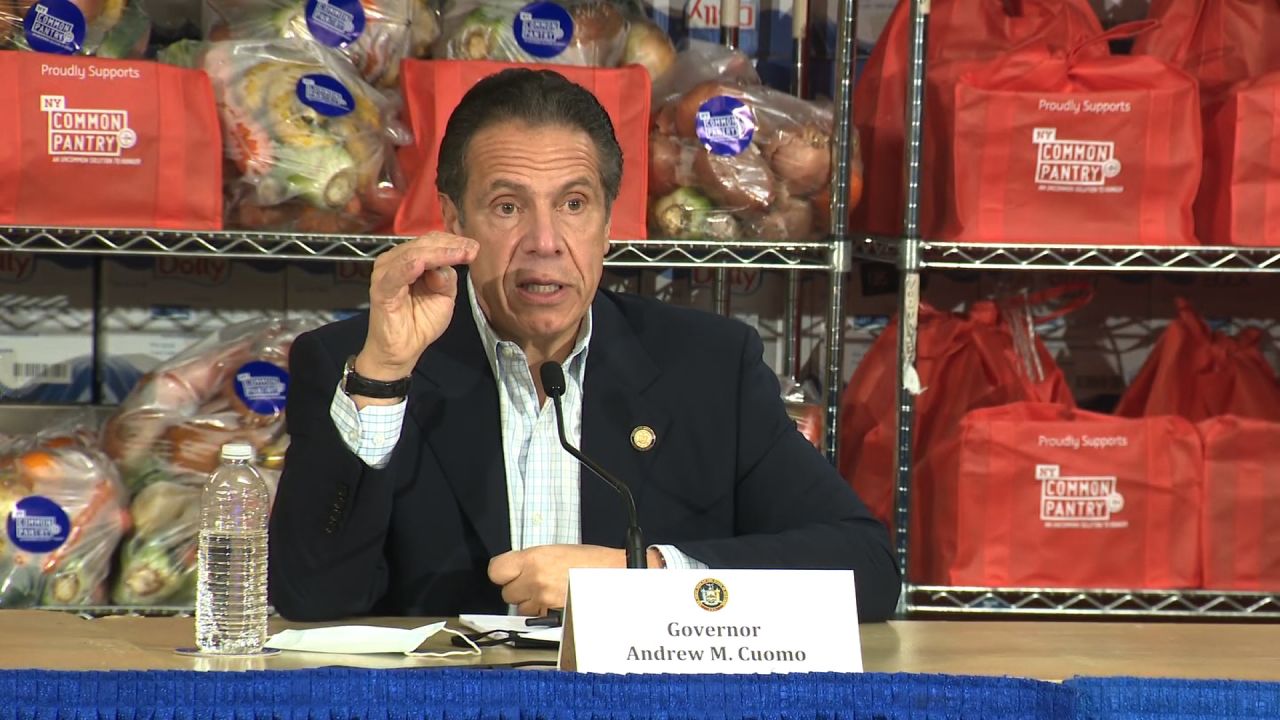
{"x": 371, "y": 432}
{"x": 677, "y": 560}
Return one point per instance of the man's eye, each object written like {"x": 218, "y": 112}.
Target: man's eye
{"x": 574, "y": 205}
{"x": 507, "y": 209}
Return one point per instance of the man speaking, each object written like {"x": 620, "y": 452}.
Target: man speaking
{"x": 425, "y": 474}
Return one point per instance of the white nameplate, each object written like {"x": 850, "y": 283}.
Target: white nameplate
{"x": 710, "y": 621}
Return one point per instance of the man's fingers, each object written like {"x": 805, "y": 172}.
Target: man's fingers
{"x": 404, "y": 265}
{"x": 505, "y": 567}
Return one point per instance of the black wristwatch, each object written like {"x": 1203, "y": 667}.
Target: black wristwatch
{"x": 353, "y": 383}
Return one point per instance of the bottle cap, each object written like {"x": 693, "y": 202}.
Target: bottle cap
{"x": 237, "y": 451}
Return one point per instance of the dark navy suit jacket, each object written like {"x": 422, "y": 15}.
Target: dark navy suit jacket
{"x": 730, "y": 480}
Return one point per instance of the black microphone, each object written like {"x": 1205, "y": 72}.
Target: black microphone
{"x": 553, "y": 386}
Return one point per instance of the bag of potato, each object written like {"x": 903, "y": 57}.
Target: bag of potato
{"x": 64, "y": 511}
{"x": 228, "y": 387}
{"x": 731, "y": 158}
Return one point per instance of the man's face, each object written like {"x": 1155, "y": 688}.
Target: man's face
{"x": 535, "y": 203}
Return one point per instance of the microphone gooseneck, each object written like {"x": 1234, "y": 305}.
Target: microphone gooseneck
{"x": 553, "y": 385}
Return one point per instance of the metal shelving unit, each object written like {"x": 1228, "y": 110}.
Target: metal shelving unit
{"x": 1113, "y": 258}
{"x": 913, "y": 254}
{"x": 295, "y": 246}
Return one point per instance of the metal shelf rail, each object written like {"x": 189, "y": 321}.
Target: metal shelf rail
{"x": 299, "y": 246}
{"x": 1111, "y": 258}
{"x": 912, "y": 254}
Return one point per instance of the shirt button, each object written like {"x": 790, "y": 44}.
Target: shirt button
{"x": 537, "y": 518}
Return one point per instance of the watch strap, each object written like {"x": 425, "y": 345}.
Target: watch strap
{"x": 353, "y": 383}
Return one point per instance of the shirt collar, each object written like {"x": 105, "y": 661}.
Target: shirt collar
{"x": 574, "y": 366}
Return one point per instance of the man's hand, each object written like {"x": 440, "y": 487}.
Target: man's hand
{"x": 536, "y": 579}
{"x": 411, "y": 295}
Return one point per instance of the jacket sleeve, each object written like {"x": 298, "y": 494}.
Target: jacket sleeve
{"x": 332, "y": 512}
{"x": 792, "y": 508}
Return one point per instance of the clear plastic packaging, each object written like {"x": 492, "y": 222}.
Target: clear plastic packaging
{"x": 104, "y": 28}
{"x": 58, "y": 480}
{"x": 731, "y": 158}
{"x": 375, "y": 35}
{"x": 230, "y": 386}
{"x": 307, "y": 140}
{"x": 563, "y": 32}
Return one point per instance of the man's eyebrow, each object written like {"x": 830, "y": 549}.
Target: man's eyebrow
{"x": 577, "y": 182}
{"x": 507, "y": 185}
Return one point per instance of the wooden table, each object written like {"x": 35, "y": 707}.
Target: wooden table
{"x": 1040, "y": 650}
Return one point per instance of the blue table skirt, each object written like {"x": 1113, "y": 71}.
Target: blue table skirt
{"x": 453, "y": 694}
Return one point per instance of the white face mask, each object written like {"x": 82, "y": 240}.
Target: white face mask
{"x": 364, "y": 639}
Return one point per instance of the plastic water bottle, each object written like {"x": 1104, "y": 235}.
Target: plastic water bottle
{"x": 231, "y": 591}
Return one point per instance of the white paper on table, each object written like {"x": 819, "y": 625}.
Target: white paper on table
{"x": 510, "y": 623}
{"x": 354, "y": 639}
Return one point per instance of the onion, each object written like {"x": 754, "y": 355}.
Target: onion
{"x": 670, "y": 164}
{"x": 649, "y": 46}
{"x": 801, "y": 157}
{"x": 821, "y": 202}
{"x": 598, "y": 33}
{"x": 788, "y": 219}
{"x": 665, "y": 119}
{"x": 687, "y": 107}
{"x": 741, "y": 181}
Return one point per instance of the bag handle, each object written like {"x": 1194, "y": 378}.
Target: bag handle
{"x": 1119, "y": 32}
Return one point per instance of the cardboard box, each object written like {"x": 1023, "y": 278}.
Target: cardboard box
{"x": 326, "y": 291}
{"x": 46, "y": 328}
{"x": 153, "y": 308}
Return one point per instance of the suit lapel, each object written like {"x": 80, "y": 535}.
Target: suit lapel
{"x": 457, "y": 409}
{"x": 619, "y": 370}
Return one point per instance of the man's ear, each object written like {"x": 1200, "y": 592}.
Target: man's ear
{"x": 452, "y": 215}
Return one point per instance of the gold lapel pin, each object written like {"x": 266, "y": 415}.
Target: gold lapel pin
{"x": 643, "y": 438}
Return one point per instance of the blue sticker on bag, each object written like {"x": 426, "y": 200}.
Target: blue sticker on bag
{"x": 725, "y": 125}
{"x": 543, "y": 29}
{"x": 325, "y": 95}
{"x": 336, "y": 23}
{"x": 262, "y": 387}
{"x": 38, "y": 525}
{"x": 54, "y": 26}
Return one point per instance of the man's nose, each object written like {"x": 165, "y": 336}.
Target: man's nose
{"x": 543, "y": 238}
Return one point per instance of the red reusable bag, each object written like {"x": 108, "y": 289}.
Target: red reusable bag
{"x": 959, "y": 32}
{"x": 964, "y": 362}
{"x": 1075, "y": 150}
{"x": 107, "y": 143}
{"x": 1241, "y": 549}
{"x": 1037, "y": 495}
{"x": 1239, "y": 200}
{"x": 1219, "y": 42}
{"x": 1198, "y": 374}
{"x": 433, "y": 88}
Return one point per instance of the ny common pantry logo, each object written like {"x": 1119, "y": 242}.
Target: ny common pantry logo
{"x": 1075, "y": 165}
{"x": 88, "y": 135}
{"x": 1076, "y": 501}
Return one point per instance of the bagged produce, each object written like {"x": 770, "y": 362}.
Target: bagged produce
{"x": 1199, "y": 374}
{"x": 985, "y": 357}
{"x": 1041, "y": 495}
{"x": 433, "y": 88}
{"x": 1075, "y": 149}
{"x": 1239, "y": 200}
{"x": 309, "y": 140}
{"x": 229, "y": 387}
{"x": 1219, "y": 42}
{"x": 559, "y": 32}
{"x": 960, "y": 34}
{"x": 1241, "y": 506}
{"x": 65, "y": 512}
{"x": 734, "y": 159}
{"x": 166, "y": 439}
{"x": 374, "y": 34}
{"x": 138, "y": 143}
{"x": 105, "y": 28}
